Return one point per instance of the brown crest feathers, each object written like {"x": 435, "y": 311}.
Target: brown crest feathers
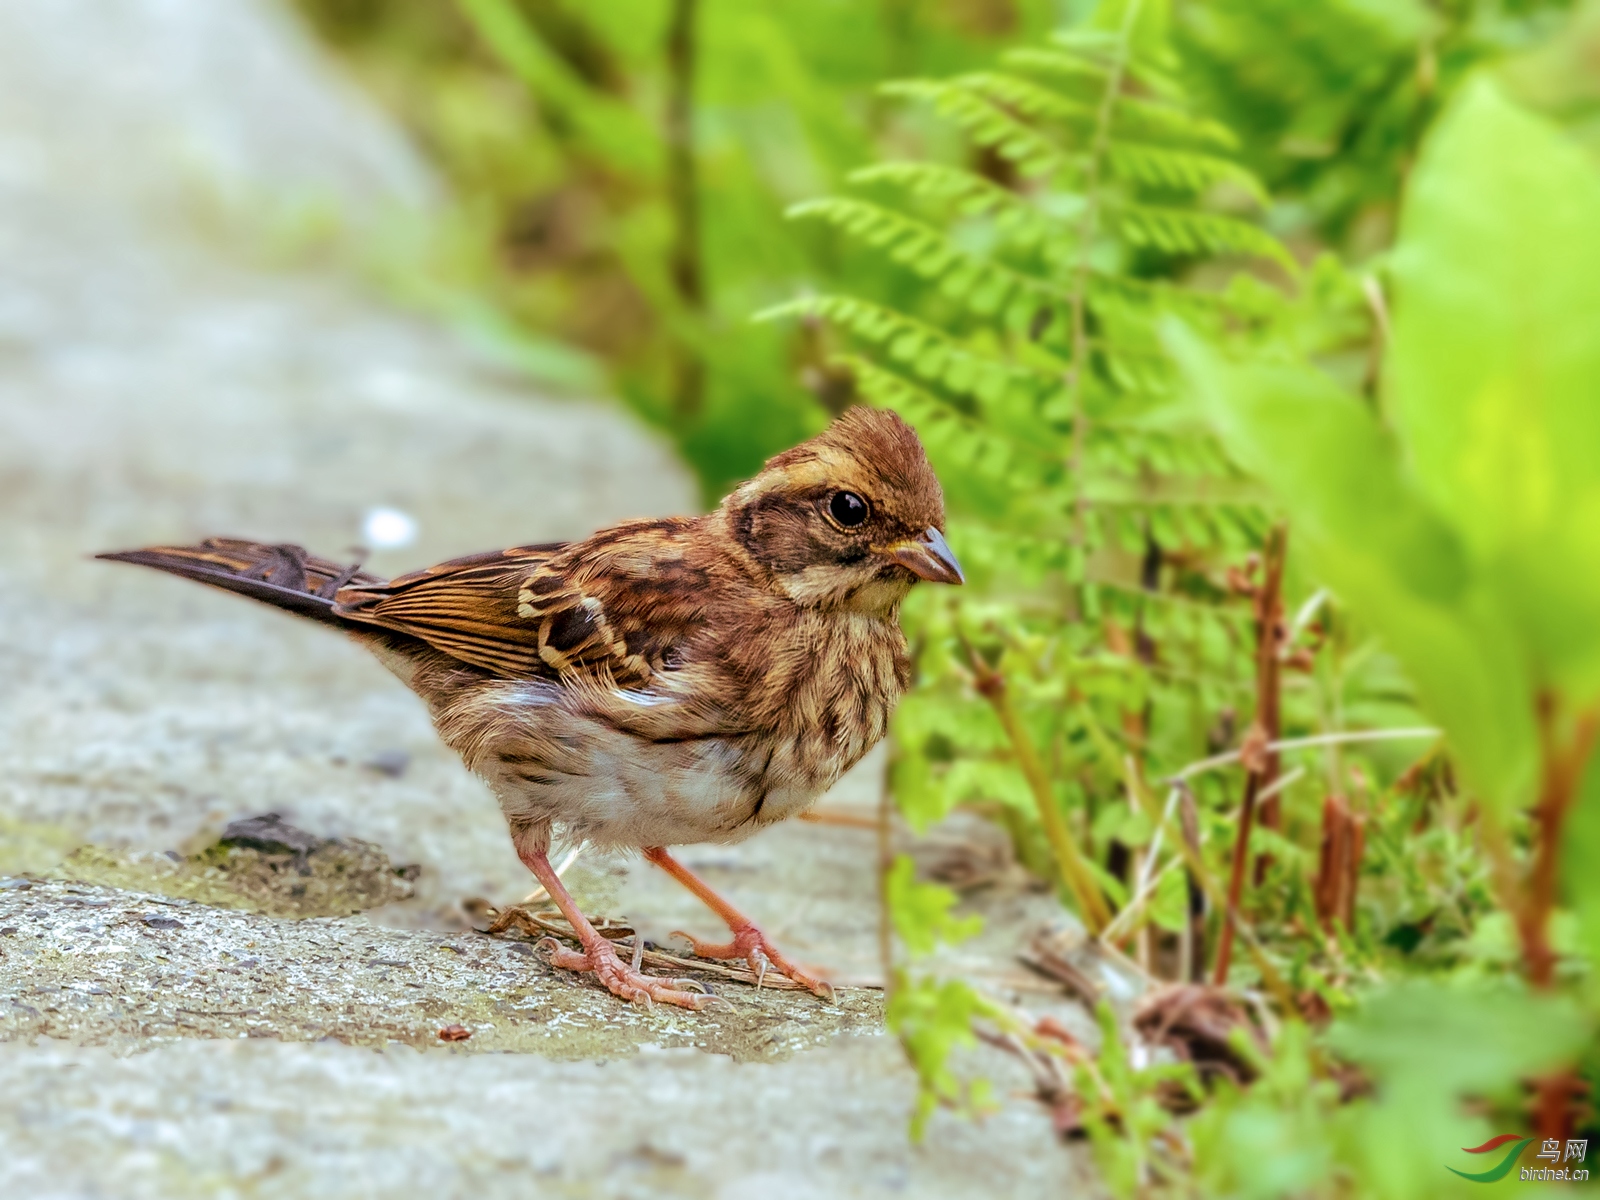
{"x": 876, "y": 435}
{"x": 888, "y": 450}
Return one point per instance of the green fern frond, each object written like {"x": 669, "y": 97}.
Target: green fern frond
{"x": 1017, "y": 218}
{"x": 916, "y": 244}
{"x": 1060, "y": 346}
{"x": 1179, "y": 170}
{"x": 1089, "y": 40}
{"x": 928, "y": 351}
{"x": 1109, "y": 290}
{"x": 1027, "y": 98}
{"x": 1079, "y": 69}
{"x": 1058, "y": 64}
{"x": 939, "y": 181}
{"x": 983, "y": 286}
{"x": 1186, "y": 231}
{"x": 1147, "y": 120}
{"x": 988, "y": 124}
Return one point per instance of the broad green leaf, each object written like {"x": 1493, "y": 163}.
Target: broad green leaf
{"x": 933, "y": 1020}
{"x": 1428, "y": 1048}
{"x": 922, "y": 798}
{"x": 921, "y": 911}
{"x": 1378, "y": 544}
{"x": 1493, "y": 378}
{"x": 1279, "y": 1137}
{"x": 1169, "y": 907}
{"x": 975, "y": 779}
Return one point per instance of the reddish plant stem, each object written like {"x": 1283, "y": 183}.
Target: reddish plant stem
{"x": 1563, "y": 774}
{"x": 1339, "y": 863}
{"x": 1270, "y": 634}
{"x": 1241, "y": 845}
{"x": 1555, "y": 1094}
{"x": 1257, "y": 760}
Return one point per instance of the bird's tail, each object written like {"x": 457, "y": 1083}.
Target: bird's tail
{"x": 284, "y": 576}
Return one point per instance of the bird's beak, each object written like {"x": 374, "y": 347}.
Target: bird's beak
{"x": 927, "y": 556}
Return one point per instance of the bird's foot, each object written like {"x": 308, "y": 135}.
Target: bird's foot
{"x": 750, "y": 944}
{"x": 624, "y": 980}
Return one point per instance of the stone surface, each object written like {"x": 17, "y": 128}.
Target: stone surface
{"x": 96, "y": 966}
{"x": 157, "y": 382}
{"x": 194, "y": 1118}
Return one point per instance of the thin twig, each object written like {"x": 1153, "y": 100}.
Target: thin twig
{"x": 1282, "y": 782}
{"x": 1202, "y": 876}
{"x": 1203, "y": 765}
{"x": 1149, "y": 880}
{"x": 1262, "y": 765}
{"x": 1135, "y": 906}
{"x": 1155, "y": 842}
{"x": 847, "y": 820}
{"x": 1306, "y": 613}
{"x": 517, "y": 915}
{"x": 1075, "y": 872}
{"x": 885, "y": 912}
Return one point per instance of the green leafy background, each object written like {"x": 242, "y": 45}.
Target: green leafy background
{"x": 1150, "y": 278}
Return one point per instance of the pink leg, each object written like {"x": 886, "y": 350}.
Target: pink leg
{"x": 748, "y": 943}
{"x": 598, "y": 954}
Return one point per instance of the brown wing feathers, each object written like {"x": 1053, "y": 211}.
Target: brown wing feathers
{"x": 467, "y": 609}
{"x": 284, "y": 575}
{"x": 529, "y": 612}
{"x": 516, "y": 613}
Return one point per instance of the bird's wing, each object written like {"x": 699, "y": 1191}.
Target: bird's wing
{"x": 610, "y": 609}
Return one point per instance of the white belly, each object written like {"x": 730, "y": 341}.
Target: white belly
{"x": 590, "y": 781}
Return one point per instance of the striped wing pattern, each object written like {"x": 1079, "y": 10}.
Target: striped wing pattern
{"x": 513, "y": 612}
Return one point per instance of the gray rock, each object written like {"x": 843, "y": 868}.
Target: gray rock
{"x": 272, "y": 834}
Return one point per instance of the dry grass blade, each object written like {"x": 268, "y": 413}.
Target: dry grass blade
{"x": 1046, "y": 955}
{"x": 1197, "y": 1023}
{"x": 537, "y": 924}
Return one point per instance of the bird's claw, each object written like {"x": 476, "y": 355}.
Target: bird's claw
{"x": 623, "y": 980}
{"x": 752, "y": 945}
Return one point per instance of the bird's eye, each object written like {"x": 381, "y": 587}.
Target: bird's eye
{"x": 848, "y": 509}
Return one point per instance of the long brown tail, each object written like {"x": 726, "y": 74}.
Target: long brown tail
{"x": 284, "y": 576}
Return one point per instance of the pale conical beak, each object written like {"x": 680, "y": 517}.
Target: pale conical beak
{"x": 928, "y": 556}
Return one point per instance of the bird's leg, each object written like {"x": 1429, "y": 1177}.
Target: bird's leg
{"x": 598, "y": 955}
{"x": 748, "y": 943}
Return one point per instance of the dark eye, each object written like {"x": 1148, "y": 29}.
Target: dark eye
{"x": 848, "y": 509}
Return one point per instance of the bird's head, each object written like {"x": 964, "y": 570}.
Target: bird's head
{"x": 850, "y": 519}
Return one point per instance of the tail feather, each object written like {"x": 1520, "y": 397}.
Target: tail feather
{"x": 284, "y": 575}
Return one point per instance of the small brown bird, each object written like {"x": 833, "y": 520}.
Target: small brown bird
{"x": 662, "y": 681}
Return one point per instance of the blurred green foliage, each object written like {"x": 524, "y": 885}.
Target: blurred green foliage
{"x": 1331, "y": 99}
{"x": 1461, "y": 522}
{"x": 1150, "y": 277}
{"x": 554, "y": 122}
